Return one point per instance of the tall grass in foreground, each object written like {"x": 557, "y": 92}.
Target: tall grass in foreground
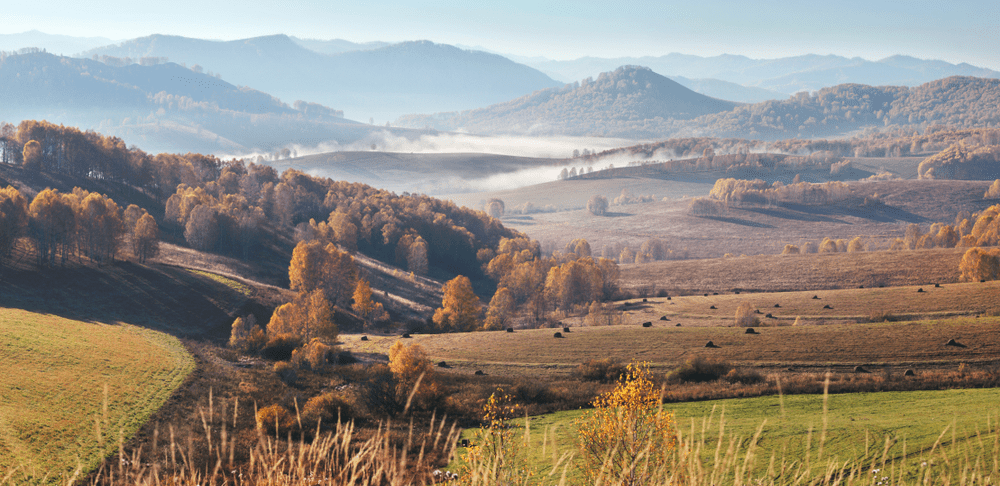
{"x": 705, "y": 454}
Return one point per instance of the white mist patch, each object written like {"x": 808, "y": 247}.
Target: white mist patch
{"x": 441, "y": 143}
{"x": 494, "y": 182}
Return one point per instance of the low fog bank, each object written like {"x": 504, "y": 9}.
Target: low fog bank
{"x": 453, "y": 143}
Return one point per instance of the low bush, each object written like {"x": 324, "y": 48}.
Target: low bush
{"x": 699, "y": 369}
{"x": 285, "y": 371}
{"x": 603, "y": 370}
{"x": 280, "y": 347}
{"x": 275, "y": 419}
{"x": 744, "y": 376}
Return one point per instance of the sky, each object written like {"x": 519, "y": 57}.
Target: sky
{"x": 954, "y": 31}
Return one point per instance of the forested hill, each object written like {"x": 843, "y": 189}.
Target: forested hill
{"x": 958, "y": 101}
{"x": 631, "y": 101}
{"x": 162, "y": 106}
{"x": 384, "y": 82}
{"x": 617, "y": 105}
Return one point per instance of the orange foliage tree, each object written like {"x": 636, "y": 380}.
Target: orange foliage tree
{"x": 412, "y": 369}
{"x": 366, "y": 308}
{"x": 315, "y": 267}
{"x": 13, "y": 219}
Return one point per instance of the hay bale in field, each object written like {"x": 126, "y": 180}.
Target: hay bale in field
{"x": 480, "y": 373}
{"x": 921, "y": 289}
{"x": 510, "y": 329}
{"x": 757, "y": 311}
{"x": 715, "y": 293}
{"x": 909, "y": 372}
{"x": 565, "y": 329}
{"x": 953, "y": 342}
{"x": 937, "y": 286}
{"x": 712, "y": 307}
{"x": 861, "y": 286}
{"x": 982, "y": 280}
{"x": 406, "y": 335}
{"x": 678, "y": 325}
{"x": 859, "y": 369}
{"x": 442, "y": 364}
{"x": 647, "y": 324}
{"x": 710, "y": 344}
{"x": 769, "y": 316}
{"x": 706, "y": 295}
{"x": 664, "y": 318}
{"x": 737, "y": 292}
{"x": 777, "y": 305}
{"x": 364, "y": 338}
{"x": 668, "y": 297}
{"x": 557, "y": 335}
{"x": 815, "y": 297}
{"x": 644, "y": 300}
{"x": 750, "y": 330}
{"x": 827, "y": 306}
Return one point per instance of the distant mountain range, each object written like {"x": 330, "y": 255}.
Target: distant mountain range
{"x": 56, "y": 44}
{"x": 631, "y": 101}
{"x": 635, "y": 102}
{"x": 787, "y": 75}
{"x": 381, "y": 82}
{"x": 164, "y": 107}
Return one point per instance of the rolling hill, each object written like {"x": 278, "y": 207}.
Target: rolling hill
{"x": 384, "y": 82}
{"x": 631, "y": 101}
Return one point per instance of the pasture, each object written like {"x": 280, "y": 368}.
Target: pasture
{"x": 73, "y": 389}
{"x": 871, "y": 430}
{"x": 824, "y": 339}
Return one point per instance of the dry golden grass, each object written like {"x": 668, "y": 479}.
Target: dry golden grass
{"x": 71, "y": 387}
{"x": 796, "y": 272}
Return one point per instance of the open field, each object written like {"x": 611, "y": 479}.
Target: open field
{"x": 825, "y": 339}
{"x": 814, "y": 271}
{"x": 749, "y": 230}
{"x": 77, "y": 388}
{"x": 858, "y": 426}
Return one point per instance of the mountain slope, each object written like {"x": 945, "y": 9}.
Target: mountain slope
{"x": 164, "y": 107}
{"x": 384, "y": 82}
{"x": 54, "y": 43}
{"x": 618, "y": 103}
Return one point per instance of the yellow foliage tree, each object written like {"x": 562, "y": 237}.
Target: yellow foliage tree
{"x": 246, "y": 335}
{"x": 495, "y": 454}
{"x": 855, "y": 245}
{"x": 460, "y": 307}
{"x": 326, "y": 268}
{"x": 979, "y": 264}
{"x": 628, "y": 436}
{"x": 308, "y": 316}
{"x": 13, "y": 219}
{"x": 410, "y": 364}
{"x": 366, "y": 308}
{"x": 500, "y": 311}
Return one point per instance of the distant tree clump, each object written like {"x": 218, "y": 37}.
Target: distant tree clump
{"x": 309, "y": 315}
{"x": 962, "y": 161}
{"x": 325, "y": 268}
{"x": 790, "y": 249}
{"x": 367, "y": 309}
{"x": 13, "y": 220}
{"x": 980, "y": 264}
{"x": 745, "y": 316}
{"x": 702, "y": 206}
{"x": 500, "y": 311}
{"x": 856, "y": 245}
{"x": 993, "y": 191}
{"x": 495, "y": 207}
{"x": 597, "y": 205}
{"x": 246, "y": 335}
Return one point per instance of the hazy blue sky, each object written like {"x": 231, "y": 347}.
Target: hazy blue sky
{"x": 956, "y": 31}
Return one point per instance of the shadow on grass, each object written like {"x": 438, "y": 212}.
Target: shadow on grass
{"x": 163, "y": 298}
{"x": 739, "y": 221}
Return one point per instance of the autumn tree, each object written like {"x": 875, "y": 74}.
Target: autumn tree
{"x": 326, "y": 268}
{"x": 367, "y": 309}
{"x": 597, "y": 205}
{"x": 146, "y": 238}
{"x": 308, "y": 316}
{"x": 52, "y": 225}
{"x": 495, "y": 207}
{"x": 460, "y": 307}
{"x": 980, "y": 264}
{"x": 790, "y": 249}
{"x": 246, "y": 335}
{"x": 745, "y": 315}
{"x": 579, "y": 247}
{"x": 912, "y": 235}
{"x": 32, "y": 155}
{"x": 13, "y": 220}
{"x": 412, "y": 369}
{"x": 101, "y": 229}
{"x": 500, "y": 310}
{"x": 856, "y": 245}
{"x": 416, "y": 256}
{"x": 628, "y": 435}
{"x": 828, "y": 246}
{"x": 202, "y": 228}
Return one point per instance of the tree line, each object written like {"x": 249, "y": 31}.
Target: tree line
{"x": 81, "y": 224}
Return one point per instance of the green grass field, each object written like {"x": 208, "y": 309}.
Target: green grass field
{"x": 857, "y": 428}
{"x": 70, "y": 389}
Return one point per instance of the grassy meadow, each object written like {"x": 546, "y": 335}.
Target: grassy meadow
{"x": 868, "y": 430}
{"x": 72, "y": 389}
